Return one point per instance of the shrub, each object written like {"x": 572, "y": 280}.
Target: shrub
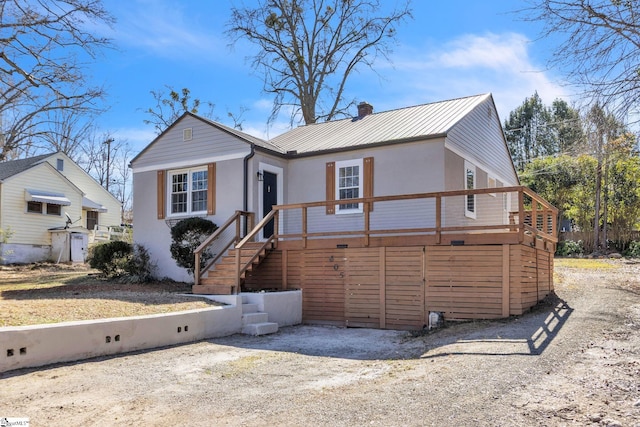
{"x": 186, "y": 236}
{"x": 570, "y": 248}
{"x": 634, "y": 249}
{"x": 139, "y": 267}
{"x": 121, "y": 259}
{"x": 110, "y": 257}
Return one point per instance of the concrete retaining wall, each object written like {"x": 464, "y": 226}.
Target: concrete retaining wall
{"x": 284, "y": 308}
{"x": 37, "y": 345}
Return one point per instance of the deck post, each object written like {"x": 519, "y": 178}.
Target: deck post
{"x": 521, "y": 215}
{"x": 304, "y": 227}
{"x": 506, "y": 291}
{"x": 237, "y": 271}
{"x": 367, "y": 219}
{"x": 196, "y": 270}
{"x": 438, "y": 218}
{"x": 534, "y": 213}
{"x": 383, "y": 287}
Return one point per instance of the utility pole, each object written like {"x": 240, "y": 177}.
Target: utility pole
{"x": 108, "y": 142}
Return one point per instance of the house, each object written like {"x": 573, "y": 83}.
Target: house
{"x": 50, "y": 208}
{"x": 428, "y": 192}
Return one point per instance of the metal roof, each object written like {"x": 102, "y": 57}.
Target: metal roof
{"x": 410, "y": 123}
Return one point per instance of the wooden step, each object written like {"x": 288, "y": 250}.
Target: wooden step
{"x": 219, "y": 279}
{"x": 214, "y": 289}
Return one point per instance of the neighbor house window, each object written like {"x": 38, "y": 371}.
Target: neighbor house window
{"x": 470, "y": 184}
{"x": 188, "y": 192}
{"x": 54, "y": 209}
{"x": 34, "y": 207}
{"x": 60, "y": 164}
{"x": 349, "y": 185}
{"x": 92, "y": 219}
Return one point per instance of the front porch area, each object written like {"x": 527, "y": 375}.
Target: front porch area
{"x": 472, "y": 254}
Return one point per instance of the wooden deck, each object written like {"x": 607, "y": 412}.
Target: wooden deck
{"x": 393, "y": 278}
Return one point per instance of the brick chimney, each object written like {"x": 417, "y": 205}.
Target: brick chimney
{"x": 364, "y": 109}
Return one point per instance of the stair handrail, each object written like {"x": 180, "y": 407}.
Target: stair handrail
{"x": 234, "y": 219}
{"x": 271, "y": 240}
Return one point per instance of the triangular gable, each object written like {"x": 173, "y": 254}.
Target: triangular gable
{"x": 236, "y": 135}
{"x": 53, "y": 170}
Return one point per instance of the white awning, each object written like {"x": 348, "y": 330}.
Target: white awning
{"x": 90, "y": 205}
{"x": 46, "y": 197}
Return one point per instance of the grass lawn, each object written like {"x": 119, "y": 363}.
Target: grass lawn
{"x": 50, "y": 293}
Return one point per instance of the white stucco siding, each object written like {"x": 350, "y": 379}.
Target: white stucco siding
{"x": 155, "y": 235}
{"x": 32, "y": 228}
{"x": 92, "y": 190}
{"x": 207, "y": 144}
{"x": 478, "y": 137}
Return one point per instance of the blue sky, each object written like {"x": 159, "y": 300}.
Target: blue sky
{"x": 450, "y": 49}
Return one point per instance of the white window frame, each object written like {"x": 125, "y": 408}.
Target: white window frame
{"x": 470, "y": 167}
{"x": 492, "y": 182}
{"x": 341, "y": 165}
{"x": 59, "y": 213}
{"x": 40, "y": 212}
{"x": 187, "y": 134}
{"x": 189, "y": 191}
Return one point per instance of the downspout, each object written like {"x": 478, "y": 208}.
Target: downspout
{"x": 246, "y": 182}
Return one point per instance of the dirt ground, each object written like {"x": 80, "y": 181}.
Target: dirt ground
{"x": 574, "y": 361}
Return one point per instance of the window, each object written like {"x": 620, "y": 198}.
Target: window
{"x": 54, "y": 209}
{"x": 188, "y": 191}
{"x": 491, "y": 183}
{"x": 349, "y": 185}
{"x": 60, "y": 164}
{"x": 34, "y": 207}
{"x": 92, "y": 219}
{"x": 187, "y": 134}
{"x": 470, "y": 184}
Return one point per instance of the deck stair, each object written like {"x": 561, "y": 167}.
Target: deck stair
{"x": 220, "y": 279}
{"x": 255, "y": 322}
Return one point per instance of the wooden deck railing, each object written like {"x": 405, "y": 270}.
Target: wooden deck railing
{"x": 221, "y": 246}
{"x": 534, "y": 217}
{"x": 530, "y": 205}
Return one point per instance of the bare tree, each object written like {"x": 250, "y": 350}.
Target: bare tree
{"x": 169, "y": 108}
{"x": 601, "y": 47}
{"x": 309, "y": 48}
{"x": 43, "y": 44}
{"x": 99, "y": 156}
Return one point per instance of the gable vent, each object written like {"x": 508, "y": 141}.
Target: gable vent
{"x": 187, "y": 134}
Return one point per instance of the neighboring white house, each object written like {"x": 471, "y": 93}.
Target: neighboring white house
{"x": 49, "y": 204}
{"x": 198, "y": 167}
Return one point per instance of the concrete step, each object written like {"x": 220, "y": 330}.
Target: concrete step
{"x": 250, "y": 318}
{"x": 249, "y": 308}
{"x": 263, "y": 328}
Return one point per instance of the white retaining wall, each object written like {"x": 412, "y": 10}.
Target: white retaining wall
{"x": 38, "y": 345}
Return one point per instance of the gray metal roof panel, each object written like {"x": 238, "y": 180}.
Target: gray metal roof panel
{"x": 395, "y": 125}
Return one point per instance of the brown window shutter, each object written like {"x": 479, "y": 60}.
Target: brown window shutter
{"x": 161, "y": 194}
{"x": 368, "y": 179}
{"x": 331, "y": 186}
{"x": 211, "y": 189}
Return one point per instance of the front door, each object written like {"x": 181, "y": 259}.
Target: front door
{"x": 269, "y": 198}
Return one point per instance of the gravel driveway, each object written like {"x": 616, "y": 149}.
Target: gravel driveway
{"x": 574, "y": 361}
